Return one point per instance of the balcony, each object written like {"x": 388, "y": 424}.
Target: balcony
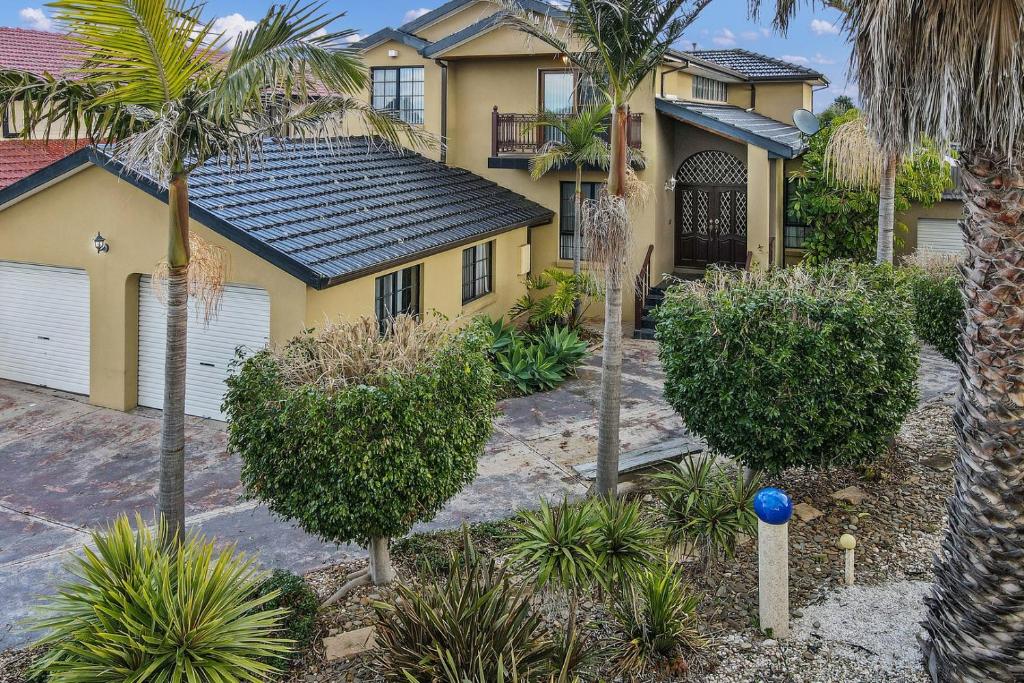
{"x": 517, "y": 137}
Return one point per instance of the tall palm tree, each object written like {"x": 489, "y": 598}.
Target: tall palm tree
{"x": 576, "y": 139}
{"x": 953, "y": 70}
{"x": 618, "y": 45}
{"x": 158, "y": 88}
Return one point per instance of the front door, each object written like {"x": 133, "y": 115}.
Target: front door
{"x": 711, "y": 211}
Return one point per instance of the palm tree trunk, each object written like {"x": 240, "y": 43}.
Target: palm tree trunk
{"x": 887, "y": 210}
{"x": 975, "y": 621}
{"x": 171, "y": 501}
{"x": 611, "y": 357}
{"x": 576, "y": 237}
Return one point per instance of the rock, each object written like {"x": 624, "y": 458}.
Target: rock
{"x": 851, "y": 494}
{"x": 770, "y": 642}
{"x": 806, "y": 512}
{"x": 350, "y": 643}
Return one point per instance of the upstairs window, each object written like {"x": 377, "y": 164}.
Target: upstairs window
{"x": 567, "y": 217}
{"x": 709, "y": 89}
{"x": 399, "y": 90}
{"x": 397, "y": 293}
{"x": 477, "y": 271}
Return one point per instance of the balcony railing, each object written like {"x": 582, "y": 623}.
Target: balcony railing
{"x": 520, "y": 134}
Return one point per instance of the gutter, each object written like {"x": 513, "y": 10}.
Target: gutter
{"x": 444, "y": 109}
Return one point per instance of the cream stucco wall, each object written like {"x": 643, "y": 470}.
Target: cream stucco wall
{"x": 946, "y": 209}
{"x": 456, "y": 21}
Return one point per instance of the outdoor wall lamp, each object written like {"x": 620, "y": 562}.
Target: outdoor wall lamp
{"x": 670, "y": 184}
{"x": 100, "y": 242}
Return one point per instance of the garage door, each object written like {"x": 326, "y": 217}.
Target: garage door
{"x": 44, "y": 326}
{"x": 242, "y": 321}
{"x": 939, "y": 235}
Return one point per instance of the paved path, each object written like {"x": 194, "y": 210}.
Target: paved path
{"x": 67, "y": 467}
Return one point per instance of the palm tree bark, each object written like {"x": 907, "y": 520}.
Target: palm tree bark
{"x": 887, "y": 210}
{"x": 611, "y": 357}
{"x": 171, "y": 500}
{"x": 975, "y": 621}
{"x": 577, "y": 258}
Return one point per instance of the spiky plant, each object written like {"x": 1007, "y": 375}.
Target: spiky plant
{"x": 626, "y": 543}
{"x": 556, "y": 545}
{"x": 166, "y": 93}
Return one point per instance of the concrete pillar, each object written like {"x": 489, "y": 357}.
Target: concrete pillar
{"x": 774, "y": 509}
{"x": 758, "y": 205}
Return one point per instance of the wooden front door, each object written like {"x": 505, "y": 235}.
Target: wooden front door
{"x": 711, "y": 211}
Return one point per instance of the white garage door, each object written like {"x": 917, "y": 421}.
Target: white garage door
{"x": 243, "y": 320}
{"x": 939, "y": 235}
{"x": 44, "y": 326}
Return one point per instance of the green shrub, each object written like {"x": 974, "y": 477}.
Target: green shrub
{"x": 293, "y": 594}
{"x": 467, "y": 625}
{"x": 625, "y": 543}
{"x": 556, "y": 545}
{"x": 802, "y": 367}
{"x": 136, "y": 611}
{"x": 564, "y": 345}
{"x": 935, "y": 283}
{"x": 357, "y": 436}
{"x": 526, "y": 363}
{"x": 560, "y": 290}
{"x": 527, "y": 369}
{"x": 657, "y": 619}
{"x": 705, "y": 506}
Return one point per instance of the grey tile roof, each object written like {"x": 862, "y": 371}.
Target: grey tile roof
{"x": 753, "y": 65}
{"x": 455, "y": 5}
{"x": 778, "y": 138}
{"x": 384, "y": 34}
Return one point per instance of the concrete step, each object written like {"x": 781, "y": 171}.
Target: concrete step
{"x": 643, "y": 334}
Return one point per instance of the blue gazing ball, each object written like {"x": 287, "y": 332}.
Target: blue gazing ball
{"x": 773, "y": 505}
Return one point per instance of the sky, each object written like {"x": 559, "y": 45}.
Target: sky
{"x": 814, "y": 39}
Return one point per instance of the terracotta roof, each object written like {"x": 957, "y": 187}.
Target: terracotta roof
{"x": 21, "y": 158}
{"x": 36, "y": 51}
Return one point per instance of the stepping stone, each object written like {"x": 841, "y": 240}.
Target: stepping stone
{"x": 350, "y": 643}
{"x": 851, "y": 494}
{"x": 806, "y": 512}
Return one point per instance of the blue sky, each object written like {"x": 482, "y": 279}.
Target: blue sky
{"x": 813, "y": 40}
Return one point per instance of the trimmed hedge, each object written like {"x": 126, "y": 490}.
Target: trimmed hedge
{"x": 294, "y": 595}
{"x": 938, "y": 304}
{"x": 809, "y": 366}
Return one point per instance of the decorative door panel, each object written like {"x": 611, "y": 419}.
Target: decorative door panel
{"x": 711, "y": 211}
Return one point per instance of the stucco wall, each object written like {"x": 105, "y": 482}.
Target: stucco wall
{"x": 948, "y": 209}
{"x": 457, "y": 21}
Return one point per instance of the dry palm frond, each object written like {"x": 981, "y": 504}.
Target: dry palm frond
{"x": 852, "y": 157}
{"x": 207, "y": 272}
{"x": 345, "y": 352}
{"x": 638, "y": 192}
{"x": 607, "y": 233}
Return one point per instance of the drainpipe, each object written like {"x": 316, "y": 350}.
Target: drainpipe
{"x": 671, "y": 71}
{"x": 444, "y": 108}
{"x": 753, "y": 96}
{"x": 814, "y": 90}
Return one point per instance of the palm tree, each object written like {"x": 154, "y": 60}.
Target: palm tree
{"x": 577, "y": 139}
{"x": 158, "y": 88}
{"x": 618, "y": 45}
{"x": 960, "y": 79}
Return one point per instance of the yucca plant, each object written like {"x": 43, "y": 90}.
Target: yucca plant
{"x": 556, "y": 545}
{"x": 136, "y": 611}
{"x": 656, "y": 615}
{"x": 469, "y": 625}
{"x": 626, "y": 543}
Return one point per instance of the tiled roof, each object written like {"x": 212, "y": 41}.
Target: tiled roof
{"x": 759, "y": 130}
{"x": 37, "y": 51}
{"x": 753, "y": 65}
{"x": 21, "y": 158}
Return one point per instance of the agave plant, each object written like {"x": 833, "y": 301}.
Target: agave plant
{"x": 136, "y": 611}
{"x": 563, "y": 344}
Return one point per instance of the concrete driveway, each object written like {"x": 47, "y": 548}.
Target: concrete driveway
{"x": 67, "y": 467}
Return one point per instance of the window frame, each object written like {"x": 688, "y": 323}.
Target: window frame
{"x": 398, "y": 97}
{"x": 473, "y": 285}
{"x": 578, "y": 101}
{"x": 382, "y": 299}
{"x": 590, "y": 190}
{"x": 794, "y": 231}
{"x": 709, "y": 91}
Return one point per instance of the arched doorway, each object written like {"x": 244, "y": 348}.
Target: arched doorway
{"x": 711, "y": 210}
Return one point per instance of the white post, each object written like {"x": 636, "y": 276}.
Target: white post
{"x": 847, "y": 542}
{"x": 773, "y": 508}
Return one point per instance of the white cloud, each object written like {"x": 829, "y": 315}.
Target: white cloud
{"x": 355, "y": 38}
{"x": 752, "y": 35}
{"x": 36, "y": 18}
{"x": 414, "y": 14}
{"x": 795, "y": 59}
{"x": 231, "y": 26}
{"x": 724, "y": 38}
{"x": 822, "y": 59}
{"x": 824, "y": 28}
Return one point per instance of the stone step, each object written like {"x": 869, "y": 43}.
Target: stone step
{"x": 643, "y": 334}
{"x": 643, "y": 458}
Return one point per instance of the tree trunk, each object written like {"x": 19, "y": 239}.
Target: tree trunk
{"x": 381, "y": 570}
{"x": 887, "y": 210}
{"x": 975, "y": 621}
{"x": 577, "y": 258}
{"x": 611, "y": 357}
{"x": 171, "y": 500}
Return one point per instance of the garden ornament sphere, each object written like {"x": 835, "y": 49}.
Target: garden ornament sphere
{"x": 773, "y": 506}
{"x": 847, "y": 542}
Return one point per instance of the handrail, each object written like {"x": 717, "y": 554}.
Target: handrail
{"x": 643, "y": 288}
{"x": 514, "y": 133}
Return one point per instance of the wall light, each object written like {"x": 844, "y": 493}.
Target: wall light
{"x": 100, "y": 242}
{"x": 392, "y": 53}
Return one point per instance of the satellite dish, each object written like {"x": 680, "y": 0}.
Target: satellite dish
{"x": 807, "y": 122}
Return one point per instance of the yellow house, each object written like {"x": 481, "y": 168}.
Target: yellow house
{"x": 309, "y": 233}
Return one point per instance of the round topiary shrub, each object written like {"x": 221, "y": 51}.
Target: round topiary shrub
{"x": 358, "y": 435}
{"x": 803, "y": 367}
{"x": 935, "y": 283}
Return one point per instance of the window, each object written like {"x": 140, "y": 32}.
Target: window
{"x": 563, "y": 92}
{"x": 397, "y": 293}
{"x": 795, "y": 229}
{"x": 709, "y": 89}
{"x": 399, "y": 90}
{"x": 477, "y": 271}
{"x": 567, "y": 215}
